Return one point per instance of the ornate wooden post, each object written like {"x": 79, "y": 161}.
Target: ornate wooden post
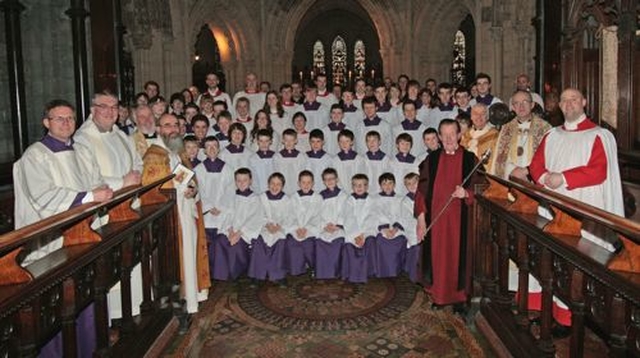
{"x": 577, "y": 313}
{"x": 523, "y": 280}
{"x": 12, "y": 10}
{"x": 69, "y": 318}
{"x": 546, "y": 282}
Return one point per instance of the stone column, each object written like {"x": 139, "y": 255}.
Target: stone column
{"x": 12, "y": 10}
{"x": 78, "y": 14}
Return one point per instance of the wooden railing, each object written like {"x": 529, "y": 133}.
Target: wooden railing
{"x": 566, "y": 266}
{"x": 45, "y": 297}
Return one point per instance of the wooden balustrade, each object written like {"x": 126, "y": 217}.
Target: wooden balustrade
{"x": 567, "y": 266}
{"x": 45, "y": 297}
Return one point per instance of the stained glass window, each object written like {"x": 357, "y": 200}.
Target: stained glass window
{"x": 458, "y": 74}
{"x": 339, "y": 59}
{"x": 318, "y": 57}
{"x": 359, "y": 58}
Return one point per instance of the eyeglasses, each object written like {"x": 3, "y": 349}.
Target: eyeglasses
{"x": 523, "y": 103}
{"x": 106, "y": 107}
{"x": 62, "y": 119}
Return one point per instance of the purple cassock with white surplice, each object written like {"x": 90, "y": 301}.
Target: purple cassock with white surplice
{"x": 390, "y": 250}
{"x": 231, "y": 261}
{"x": 329, "y": 244}
{"x": 268, "y": 250}
{"x": 359, "y": 220}
{"x": 300, "y": 251}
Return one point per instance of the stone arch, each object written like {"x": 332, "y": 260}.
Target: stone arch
{"x": 281, "y": 34}
{"x": 236, "y": 34}
{"x": 444, "y": 17}
{"x": 350, "y": 24}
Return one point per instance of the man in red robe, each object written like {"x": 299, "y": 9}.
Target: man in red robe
{"x": 446, "y": 264}
{"x": 579, "y": 159}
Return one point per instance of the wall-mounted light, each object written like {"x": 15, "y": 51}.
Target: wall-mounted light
{"x": 197, "y": 58}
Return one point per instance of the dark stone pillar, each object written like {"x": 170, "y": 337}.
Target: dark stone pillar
{"x": 78, "y": 14}
{"x": 12, "y": 10}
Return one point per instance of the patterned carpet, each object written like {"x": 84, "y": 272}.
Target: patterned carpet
{"x": 312, "y": 318}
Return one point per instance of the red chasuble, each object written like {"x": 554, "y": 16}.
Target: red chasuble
{"x": 446, "y": 263}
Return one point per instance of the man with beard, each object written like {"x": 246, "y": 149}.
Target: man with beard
{"x": 159, "y": 161}
{"x": 145, "y": 134}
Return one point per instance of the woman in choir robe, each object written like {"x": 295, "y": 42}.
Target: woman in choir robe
{"x": 243, "y": 225}
{"x": 236, "y": 154}
{"x": 305, "y": 210}
{"x": 215, "y": 177}
{"x": 263, "y": 122}
{"x": 331, "y": 237}
{"x": 280, "y": 119}
{"x": 358, "y": 218}
{"x": 390, "y": 242}
{"x": 268, "y": 250}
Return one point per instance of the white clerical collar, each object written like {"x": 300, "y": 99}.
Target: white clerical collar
{"x": 453, "y": 152}
{"x": 572, "y": 126}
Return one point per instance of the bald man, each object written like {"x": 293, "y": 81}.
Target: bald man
{"x": 579, "y": 159}
{"x": 252, "y": 93}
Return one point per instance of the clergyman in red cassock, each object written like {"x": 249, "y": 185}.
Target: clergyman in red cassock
{"x": 446, "y": 261}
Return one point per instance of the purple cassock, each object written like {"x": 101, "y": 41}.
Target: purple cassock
{"x": 412, "y": 255}
{"x": 85, "y": 337}
{"x": 267, "y": 261}
{"x": 229, "y": 261}
{"x": 299, "y": 254}
{"x": 390, "y": 255}
{"x": 328, "y": 258}
{"x": 211, "y": 236}
{"x": 359, "y": 263}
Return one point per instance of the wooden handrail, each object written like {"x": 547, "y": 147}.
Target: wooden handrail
{"x": 617, "y": 223}
{"x": 629, "y": 158}
{"x": 50, "y": 293}
{"x": 17, "y": 238}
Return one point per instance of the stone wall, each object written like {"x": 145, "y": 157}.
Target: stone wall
{"x": 258, "y": 35}
{"x": 48, "y": 67}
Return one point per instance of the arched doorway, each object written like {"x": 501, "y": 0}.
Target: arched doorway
{"x": 350, "y": 46}
{"x": 207, "y": 59}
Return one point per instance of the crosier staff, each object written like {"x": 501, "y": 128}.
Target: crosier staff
{"x": 482, "y": 160}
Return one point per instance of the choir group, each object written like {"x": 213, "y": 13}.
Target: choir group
{"x": 325, "y": 186}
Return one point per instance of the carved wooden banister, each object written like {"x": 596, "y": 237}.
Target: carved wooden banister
{"x": 566, "y": 266}
{"x": 69, "y": 280}
{"x": 25, "y": 234}
{"x": 576, "y": 208}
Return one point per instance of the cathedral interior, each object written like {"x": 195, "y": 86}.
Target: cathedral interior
{"x": 71, "y": 49}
